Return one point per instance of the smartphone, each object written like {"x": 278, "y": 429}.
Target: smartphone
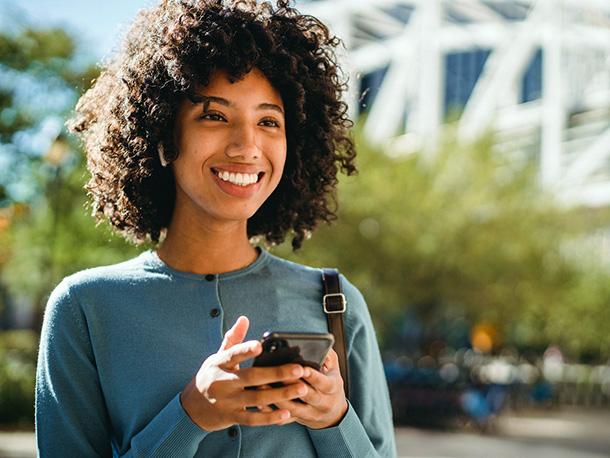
{"x": 307, "y": 349}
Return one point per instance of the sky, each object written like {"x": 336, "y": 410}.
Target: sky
{"x": 97, "y": 24}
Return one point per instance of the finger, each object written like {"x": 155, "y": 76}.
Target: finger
{"x": 271, "y": 396}
{"x": 298, "y": 410}
{"x": 264, "y": 408}
{"x": 257, "y": 376}
{"x": 274, "y": 417}
{"x": 236, "y": 334}
{"x": 285, "y": 422}
{"x": 327, "y": 383}
{"x": 331, "y": 361}
{"x": 232, "y": 357}
{"x": 318, "y": 399}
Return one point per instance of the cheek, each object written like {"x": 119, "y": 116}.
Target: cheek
{"x": 187, "y": 170}
{"x": 181, "y": 180}
{"x": 282, "y": 162}
{"x": 192, "y": 154}
{"x": 279, "y": 167}
{"x": 280, "y": 158}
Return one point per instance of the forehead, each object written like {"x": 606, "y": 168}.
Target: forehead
{"x": 253, "y": 85}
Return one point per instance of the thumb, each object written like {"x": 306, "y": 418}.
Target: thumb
{"x": 236, "y": 334}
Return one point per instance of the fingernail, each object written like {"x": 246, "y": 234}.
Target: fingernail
{"x": 306, "y": 372}
{"x": 285, "y": 415}
{"x": 301, "y": 390}
{"x": 297, "y": 371}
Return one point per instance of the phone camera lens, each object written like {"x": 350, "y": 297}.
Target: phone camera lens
{"x": 272, "y": 345}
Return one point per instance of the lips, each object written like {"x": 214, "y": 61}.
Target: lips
{"x": 238, "y": 180}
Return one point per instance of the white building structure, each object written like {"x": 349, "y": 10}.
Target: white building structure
{"x": 536, "y": 72}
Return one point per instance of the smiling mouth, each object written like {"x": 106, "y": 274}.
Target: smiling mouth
{"x": 239, "y": 179}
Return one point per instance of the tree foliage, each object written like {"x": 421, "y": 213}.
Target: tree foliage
{"x": 46, "y": 232}
{"x": 467, "y": 232}
{"x": 41, "y": 75}
{"x": 57, "y": 237}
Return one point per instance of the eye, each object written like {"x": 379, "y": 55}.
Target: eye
{"x": 269, "y": 122}
{"x": 212, "y": 116}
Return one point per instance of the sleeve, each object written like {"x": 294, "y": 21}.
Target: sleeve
{"x": 367, "y": 429}
{"x": 71, "y": 414}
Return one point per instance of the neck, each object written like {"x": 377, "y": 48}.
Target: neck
{"x": 207, "y": 251}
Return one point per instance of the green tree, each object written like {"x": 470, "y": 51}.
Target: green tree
{"x": 57, "y": 237}
{"x": 41, "y": 75}
{"x": 47, "y": 232}
{"x": 466, "y": 231}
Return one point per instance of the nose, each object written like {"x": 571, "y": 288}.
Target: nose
{"x": 243, "y": 143}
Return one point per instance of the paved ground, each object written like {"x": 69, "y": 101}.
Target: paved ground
{"x": 17, "y": 445}
{"x": 565, "y": 433}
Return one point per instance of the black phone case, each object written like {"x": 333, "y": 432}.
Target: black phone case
{"x": 307, "y": 349}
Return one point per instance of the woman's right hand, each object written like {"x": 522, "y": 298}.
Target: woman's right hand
{"x": 217, "y": 398}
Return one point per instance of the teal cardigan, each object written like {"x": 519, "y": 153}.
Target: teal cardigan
{"x": 119, "y": 343}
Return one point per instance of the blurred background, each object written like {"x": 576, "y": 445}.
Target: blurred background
{"x": 478, "y": 228}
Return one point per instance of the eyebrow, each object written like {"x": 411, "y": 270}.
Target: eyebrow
{"x": 207, "y": 99}
{"x": 270, "y": 106}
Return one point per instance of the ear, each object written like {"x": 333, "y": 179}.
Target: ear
{"x": 162, "y": 155}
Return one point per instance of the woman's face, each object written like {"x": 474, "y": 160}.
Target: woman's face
{"x": 232, "y": 149}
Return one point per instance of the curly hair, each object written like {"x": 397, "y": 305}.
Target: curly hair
{"x": 177, "y": 46}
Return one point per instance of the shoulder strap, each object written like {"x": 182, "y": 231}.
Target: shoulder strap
{"x": 334, "y": 305}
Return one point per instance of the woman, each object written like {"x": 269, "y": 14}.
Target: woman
{"x": 216, "y": 124}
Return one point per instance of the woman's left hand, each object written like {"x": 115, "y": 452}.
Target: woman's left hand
{"x": 324, "y": 405}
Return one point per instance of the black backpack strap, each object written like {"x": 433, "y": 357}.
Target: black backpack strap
{"x": 334, "y": 305}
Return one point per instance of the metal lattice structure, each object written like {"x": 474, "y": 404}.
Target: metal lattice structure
{"x": 409, "y": 49}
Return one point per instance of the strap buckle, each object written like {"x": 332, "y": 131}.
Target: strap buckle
{"x": 330, "y": 296}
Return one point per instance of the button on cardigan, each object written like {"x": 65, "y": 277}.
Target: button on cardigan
{"x": 119, "y": 343}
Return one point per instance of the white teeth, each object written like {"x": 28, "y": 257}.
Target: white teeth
{"x": 239, "y": 179}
